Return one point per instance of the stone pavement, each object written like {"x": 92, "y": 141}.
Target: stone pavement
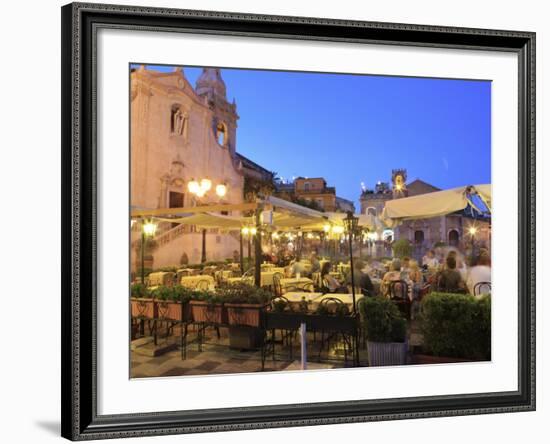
{"x": 217, "y": 358}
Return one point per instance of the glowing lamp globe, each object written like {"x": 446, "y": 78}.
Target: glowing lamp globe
{"x": 149, "y": 228}
{"x": 193, "y": 186}
{"x": 206, "y": 184}
{"x": 221, "y": 190}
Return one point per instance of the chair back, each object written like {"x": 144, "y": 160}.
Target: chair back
{"x": 333, "y": 305}
{"x": 398, "y": 290}
{"x": 202, "y": 284}
{"x": 277, "y": 287}
{"x": 482, "y": 288}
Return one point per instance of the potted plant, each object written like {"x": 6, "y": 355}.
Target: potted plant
{"x": 402, "y": 248}
{"x": 173, "y": 302}
{"x": 244, "y": 303}
{"x": 207, "y": 307}
{"x": 386, "y": 331}
{"x": 455, "y": 328}
{"x": 142, "y": 304}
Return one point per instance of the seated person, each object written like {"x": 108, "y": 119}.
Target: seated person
{"x": 330, "y": 282}
{"x": 362, "y": 279}
{"x": 429, "y": 260}
{"x": 315, "y": 264}
{"x": 394, "y": 274}
{"x": 481, "y": 272}
{"x": 449, "y": 279}
{"x": 297, "y": 267}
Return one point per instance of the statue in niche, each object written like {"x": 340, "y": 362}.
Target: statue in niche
{"x": 178, "y": 121}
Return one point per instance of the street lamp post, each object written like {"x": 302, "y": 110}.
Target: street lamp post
{"x": 472, "y": 231}
{"x": 199, "y": 190}
{"x": 351, "y": 222}
{"x": 148, "y": 229}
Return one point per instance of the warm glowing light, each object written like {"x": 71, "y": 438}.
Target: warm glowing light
{"x": 275, "y": 235}
{"x": 326, "y": 228}
{"x": 200, "y": 192}
{"x": 372, "y": 236}
{"x": 337, "y": 229}
{"x": 193, "y": 186}
{"x": 398, "y": 187}
{"x": 221, "y": 190}
{"x": 245, "y": 230}
{"x": 472, "y": 230}
{"x": 310, "y": 235}
{"x": 206, "y": 184}
{"x": 149, "y": 228}
{"x": 132, "y": 223}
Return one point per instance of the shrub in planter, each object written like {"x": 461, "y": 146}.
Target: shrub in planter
{"x": 244, "y": 303}
{"x": 207, "y": 307}
{"x": 142, "y": 304}
{"x": 386, "y": 331}
{"x": 456, "y": 326}
{"x": 173, "y": 302}
{"x": 402, "y": 248}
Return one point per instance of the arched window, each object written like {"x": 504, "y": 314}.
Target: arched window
{"x": 453, "y": 238}
{"x": 221, "y": 134}
{"x": 371, "y": 211}
{"x": 418, "y": 237}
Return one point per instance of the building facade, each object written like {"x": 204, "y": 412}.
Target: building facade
{"x": 181, "y": 133}
{"x": 315, "y": 192}
{"x": 452, "y": 229}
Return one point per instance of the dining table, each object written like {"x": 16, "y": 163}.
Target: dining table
{"x": 193, "y": 281}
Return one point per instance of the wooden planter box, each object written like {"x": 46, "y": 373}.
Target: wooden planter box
{"x": 245, "y": 314}
{"x": 387, "y": 353}
{"x": 174, "y": 311}
{"x": 209, "y": 313}
{"x": 144, "y": 308}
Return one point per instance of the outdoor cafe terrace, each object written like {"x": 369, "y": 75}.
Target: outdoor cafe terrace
{"x": 326, "y": 303}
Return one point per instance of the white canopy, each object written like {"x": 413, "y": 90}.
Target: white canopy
{"x": 286, "y": 216}
{"x": 438, "y": 203}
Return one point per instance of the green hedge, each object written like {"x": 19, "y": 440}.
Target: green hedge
{"x": 382, "y": 320}
{"x": 456, "y": 325}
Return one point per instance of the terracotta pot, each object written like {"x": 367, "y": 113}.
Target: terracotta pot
{"x": 210, "y": 313}
{"x": 173, "y": 310}
{"x": 244, "y": 314}
{"x": 387, "y": 353}
{"x": 144, "y": 308}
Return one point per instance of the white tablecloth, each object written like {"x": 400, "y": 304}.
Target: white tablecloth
{"x": 192, "y": 281}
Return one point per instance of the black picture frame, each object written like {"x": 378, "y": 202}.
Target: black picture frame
{"x": 79, "y": 174}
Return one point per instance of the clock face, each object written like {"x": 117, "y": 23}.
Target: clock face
{"x": 399, "y": 180}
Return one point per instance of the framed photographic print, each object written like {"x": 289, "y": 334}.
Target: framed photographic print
{"x": 280, "y": 221}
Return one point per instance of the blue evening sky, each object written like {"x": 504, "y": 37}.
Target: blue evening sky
{"x": 356, "y": 128}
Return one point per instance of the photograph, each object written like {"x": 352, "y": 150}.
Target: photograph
{"x": 306, "y": 221}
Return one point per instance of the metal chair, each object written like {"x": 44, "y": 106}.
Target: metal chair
{"x": 399, "y": 293}
{"x": 203, "y": 284}
{"x": 478, "y": 288}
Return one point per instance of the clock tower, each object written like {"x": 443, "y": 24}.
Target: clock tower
{"x": 399, "y": 179}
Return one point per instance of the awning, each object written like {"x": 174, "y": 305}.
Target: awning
{"x": 438, "y": 203}
{"x": 209, "y": 220}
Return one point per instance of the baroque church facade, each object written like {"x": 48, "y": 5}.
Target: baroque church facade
{"x": 181, "y": 133}
{"x": 423, "y": 234}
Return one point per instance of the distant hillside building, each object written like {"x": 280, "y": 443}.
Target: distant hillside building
{"x": 451, "y": 229}
{"x": 314, "y": 190}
